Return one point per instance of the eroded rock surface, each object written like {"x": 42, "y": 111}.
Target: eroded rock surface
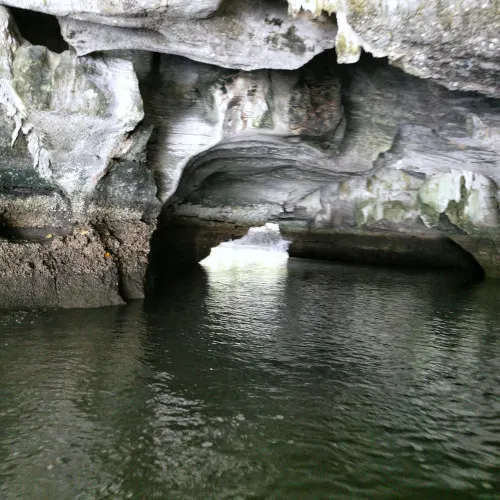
{"x": 74, "y": 115}
{"x": 455, "y": 43}
{"x": 261, "y": 124}
{"x": 91, "y": 267}
{"x": 236, "y": 34}
{"x": 71, "y": 153}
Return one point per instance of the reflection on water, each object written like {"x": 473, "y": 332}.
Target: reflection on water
{"x": 310, "y": 380}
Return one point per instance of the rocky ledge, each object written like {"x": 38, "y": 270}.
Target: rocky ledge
{"x": 130, "y": 125}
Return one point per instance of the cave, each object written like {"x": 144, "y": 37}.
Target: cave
{"x": 157, "y": 138}
{"x": 249, "y": 249}
{"x": 300, "y": 176}
{"x": 40, "y": 29}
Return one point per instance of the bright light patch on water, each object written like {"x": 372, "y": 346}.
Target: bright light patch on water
{"x": 262, "y": 246}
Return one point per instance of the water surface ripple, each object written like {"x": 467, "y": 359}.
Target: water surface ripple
{"x": 310, "y": 380}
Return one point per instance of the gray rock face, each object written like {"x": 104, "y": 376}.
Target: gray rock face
{"x": 71, "y": 153}
{"x": 67, "y": 127}
{"x": 73, "y": 115}
{"x": 136, "y": 13}
{"x": 455, "y": 43}
{"x": 237, "y": 34}
{"x": 211, "y": 120}
{"x": 275, "y": 137}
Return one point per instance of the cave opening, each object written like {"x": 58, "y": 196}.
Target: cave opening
{"x": 311, "y": 163}
{"x": 262, "y": 246}
{"x": 40, "y": 29}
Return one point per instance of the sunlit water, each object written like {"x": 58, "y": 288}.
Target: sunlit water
{"x": 307, "y": 380}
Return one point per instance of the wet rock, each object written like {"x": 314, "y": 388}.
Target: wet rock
{"x": 91, "y": 267}
{"x": 70, "y": 271}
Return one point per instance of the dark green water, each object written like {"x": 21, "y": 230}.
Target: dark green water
{"x": 312, "y": 381}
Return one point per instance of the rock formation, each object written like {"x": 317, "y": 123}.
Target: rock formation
{"x": 455, "y": 43}
{"x": 364, "y": 149}
{"x": 218, "y": 115}
{"x": 234, "y": 34}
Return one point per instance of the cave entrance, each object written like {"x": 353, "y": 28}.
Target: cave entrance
{"x": 261, "y": 247}
{"x": 39, "y": 29}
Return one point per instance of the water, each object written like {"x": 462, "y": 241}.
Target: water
{"x": 308, "y": 380}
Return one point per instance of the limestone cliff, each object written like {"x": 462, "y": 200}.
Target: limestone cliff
{"x": 222, "y": 115}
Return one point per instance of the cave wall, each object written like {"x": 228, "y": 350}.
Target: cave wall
{"x": 221, "y": 115}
